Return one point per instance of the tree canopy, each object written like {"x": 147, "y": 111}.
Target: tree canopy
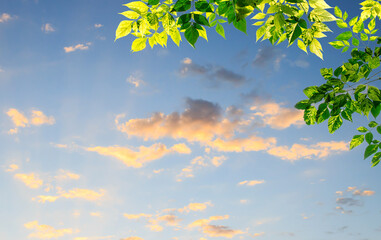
{"x": 348, "y": 88}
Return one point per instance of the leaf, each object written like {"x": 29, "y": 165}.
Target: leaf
{"x": 321, "y": 15}
{"x": 374, "y": 93}
{"x": 296, "y": 32}
{"x": 310, "y": 91}
{"x": 123, "y": 29}
{"x": 185, "y": 18}
{"x": 220, "y": 30}
{"x": 203, "y": 6}
{"x": 319, "y": 4}
{"x": 259, "y": 16}
{"x": 370, "y": 150}
{"x": 362, "y": 129}
{"x": 191, "y": 34}
{"x": 302, "y": 104}
{"x": 376, "y": 110}
{"x": 315, "y": 48}
{"x": 302, "y": 46}
{"x": 345, "y": 16}
{"x": 334, "y": 123}
{"x": 374, "y": 62}
{"x": 152, "y": 40}
{"x": 376, "y": 159}
{"x": 358, "y": 27}
{"x": 369, "y": 137}
{"x": 356, "y": 140}
{"x": 372, "y": 24}
{"x": 353, "y": 21}
{"x": 279, "y": 20}
{"x": 260, "y": 32}
{"x": 338, "y": 12}
{"x": 337, "y": 44}
{"x": 175, "y": 36}
{"x": 138, "y": 44}
{"x": 310, "y": 115}
{"x": 153, "y": 2}
{"x": 240, "y": 25}
{"x": 372, "y": 124}
{"x": 182, "y": 5}
{"x": 130, "y": 14}
{"x": 202, "y": 33}
{"x": 326, "y": 72}
{"x": 346, "y": 115}
{"x": 355, "y": 42}
{"x": 137, "y": 6}
{"x": 341, "y": 24}
{"x": 344, "y": 36}
{"x": 379, "y": 129}
{"x": 201, "y": 19}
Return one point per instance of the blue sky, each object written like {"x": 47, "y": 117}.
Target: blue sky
{"x": 168, "y": 143}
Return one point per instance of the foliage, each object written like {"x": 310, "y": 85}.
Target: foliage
{"x": 347, "y": 89}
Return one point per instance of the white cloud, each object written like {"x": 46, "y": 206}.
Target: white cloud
{"x": 77, "y": 47}
{"x": 5, "y": 17}
{"x": 136, "y": 79}
{"x": 47, "y": 27}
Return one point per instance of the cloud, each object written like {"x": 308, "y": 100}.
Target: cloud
{"x": 46, "y": 231}
{"x": 95, "y": 238}
{"x": 95, "y": 214}
{"x": 19, "y": 120}
{"x": 154, "y": 226}
{"x": 169, "y": 219}
{"x": 12, "y": 168}
{"x": 66, "y": 175}
{"x": 364, "y": 193}
{"x": 205, "y": 221}
{"x": 144, "y": 155}
{"x": 195, "y": 207}
{"x": 137, "y": 216}
{"x": 252, "y": 143}
{"x": 136, "y": 79}
{"x": 80, "y": 193}
{"x": 210, "y": 73}
{"x": 77, "y": 47}
{"x": 279, "y": 117}
{"x": 201, "y": 121}
{"x": 5, "y": 17}
{"x": 218, "y": 160}
{"x": 257, "y": 234}
{"x": 98, "y": 25}
{"x": 31, "y": 180}
{"x": 269, "y": 57}
{"x": 298, "y": 151}
{"x": 220, "y": 231}
{"x": 251, "y": 182}
{"x": 348, "y": 201}
{"x": 48, "y": 27}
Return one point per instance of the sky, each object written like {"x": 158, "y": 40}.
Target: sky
{"x": 168, "y": 143}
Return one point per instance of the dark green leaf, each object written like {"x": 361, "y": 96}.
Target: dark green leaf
{"x": 369, "y": 137}
{"x": 376, "y": 159}
{"x": 185, "y": 18}
{"x": 203, "y": 6}
{"x": 326, "y": 72}
{"x": 356, "y": 140}
{"x": 201, "y": 19}
{"x": 376, "y": 110}
{"x": 370, "y": 150}
{"x": 374, "y": 93}
{"x": 360, "y": 88}
{"x": 191, "y": 34}
{"x": 182, "y": 5}
{"x": 347, "y": 115}
{"x": 379, "y": 129}
{"x": 296, "y": 32}
{"x": 302, "y": 104}
{"x": 338, "y": 71}
{"x": 153, "y": 2}
{"x": 240, "y": 25}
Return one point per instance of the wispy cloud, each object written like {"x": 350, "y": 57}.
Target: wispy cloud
{"x": 31, "y": 180}
{"x": 136, "y": 79}
{"x": 195, "y": 207}
{"x": 98, "y": 25}
{"x": 137, "y": 159}
{"x": 12, "y": 168}
{"x": 77, "y": 47}
{"x": 269, "y": 57}
{"x": 19, "y": 120}
{"x": 251, "y": 182}
{"x": 5, "y": 17}
{"x": 66, "y": 175}
{"x": 215, "y": 230}
{"x": 46, "y": 231}
{"x": 47, "y": 28}
{"x": 213, "y": 74}
{"x": 79, "y": 193}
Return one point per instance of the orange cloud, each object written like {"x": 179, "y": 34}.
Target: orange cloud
{"x": 204, "y": 221}
{"x": 133, "y": 238}
{"x": 242, "y": 144}
{"x": 46, "y": 231}
{"x": 12, "y": 168}
{"x": 31, "y": 180}
{"x": 65, "y": 175}
{"x": 252, "y": 182}
{"x": 220, "y": 231}
{"x": 77, "y": 47}
{"x": 85, "y": 194}
{"x": 364, "y": 193}
{"x": 137, "y": 159}
{"x": 195, "y": 207}
{"x": 298, "y": 151}
{"x": 39, "y": 118}
{"x": 137, "y": 216}
{"x": 5, "y": 17}
{"x": 170, "y": 219}
{"x": 19, "y": 120}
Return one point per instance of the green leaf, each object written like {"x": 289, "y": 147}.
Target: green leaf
{"x": 345, "y": 16}
{"x": 362, "y": 129}
{"x": 338, "y": 12}
{"x": 360, "y": 88}
{"x": 376, "y": 110}
{"x": 379, "y": 129}
{"x": 372, "y": 124}
{"x": 201, "y": 19}
{"x": 153, "y": 2}
{"x": 295, "y": 1}
{"x": 353, "y": 21}
{"x": 259, "y": 16}
{"x": 138, "y": 44}
{"x": 279, "y": 20}
{"x": 302, "y": 105}
{"x": 334, "y": 123}
{"x": 358, "y": 27}
{"x": 374, "y": 93}
{"x": 347, "y": 115}
{"x": 191, "y": 35}
{"x": 364, "y": 37}
{"x": 321, "y": 15}
{"x": 376, "y": 159}
{"x": 341, "y": 24}
{"x": 310, "y": 91}
{"x": 319, "y": 4}
{"x": 296, "y": 32}
{"x": 182, "y": 5}
{"x": 310, "y": 115}
{"x": 370, "y": 150}
{"x": 302, "y": 46}
{"x": 240, "y": 25}
{"x": 374, "y": 62}
{"x": 356, "y": 140}
{"x": 260, "y": 32}
{"x": 344, "y": 36}
{"x": 369, "y": 137}
{"x": 326, "y": 72}
{"x": 137, "y": 6}
{"x": 220, "y": 30}
{"x": 185, "y": 18}
{"x": 337, "y": 44}
{"x": 372, "y": 24}
{"x": 355, "y": 42}
{"x": 203, "y": 6}
{"x": 123, "y": 29}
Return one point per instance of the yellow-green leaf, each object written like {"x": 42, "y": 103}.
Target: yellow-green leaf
{"x": 175, "y": 36}
{"x": 302, "y": 46}
{"x": 202, "y": 33}
{"x": 319, "y": 4}
{"x": 138, "y": 44}
{"x": 315, "y": 48}
{"x": 137, "y": 6}
{"x": 130, "y": 14}
{"x": 123, "y": 29}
